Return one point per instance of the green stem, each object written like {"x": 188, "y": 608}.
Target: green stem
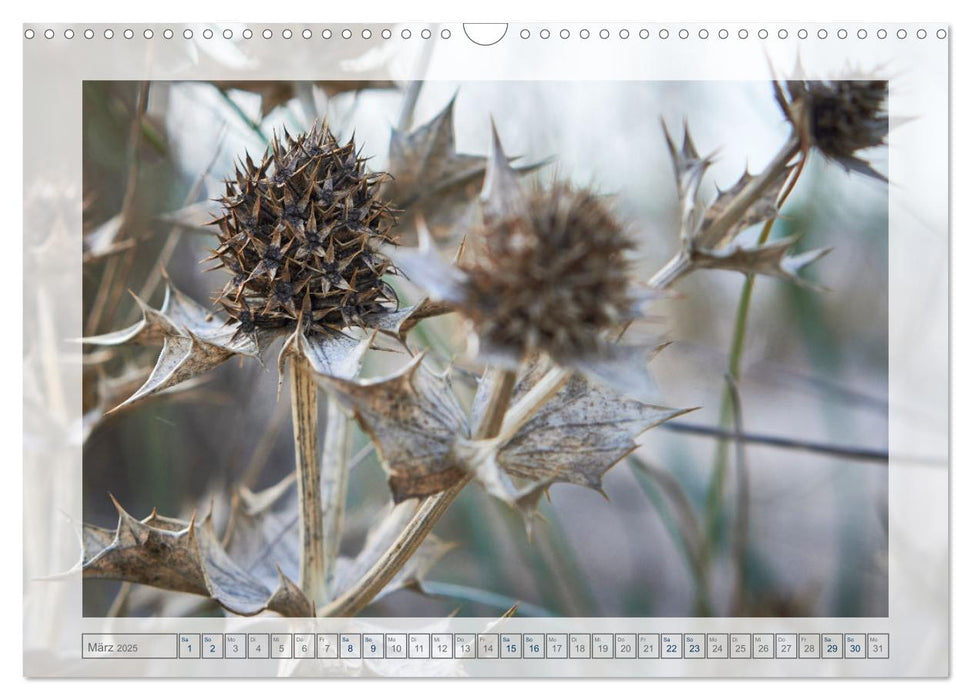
{"x": 716, "y": 489}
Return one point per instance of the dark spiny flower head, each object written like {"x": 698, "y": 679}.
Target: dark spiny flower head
{"x": 551, "y": 275}
{"x": 300, "y": 234}
{"x": 840, "y": 117}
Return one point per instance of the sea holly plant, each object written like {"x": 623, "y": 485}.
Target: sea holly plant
{"x": 542, "y": 283}
{"x": 299, "y": 234}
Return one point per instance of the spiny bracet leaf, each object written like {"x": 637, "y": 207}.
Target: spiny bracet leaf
{"x": 185, "y": 557}
{"x": 576, "y": 437}
{"x": 773, "y": 259}
{"x": 712, "y": 229}
{"x": 426, "y": 162}
{"x": 503, "y": 193}
{"x": 431, "y": 178}
{"x": 750, "y": 201}
{"x": 689, "y": 171}
{"x": 263, "y": 538}
{"x": 111, "y": 392}
{"x": 423, "y": 436}
{"x": 398, "y": 324}
{"x": 249, "y": 569}
{"x": 329, "y": 354}
{"x": 195, "y": 341}
{"x": 583, "y": 431}
{"x": 443, "y": 281}
{"x": 413, "y": 419}
{"x": 713, "y": 236}
{"x": 263, "y": 532}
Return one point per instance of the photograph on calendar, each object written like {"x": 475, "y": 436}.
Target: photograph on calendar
{"x": 485, "y": 349}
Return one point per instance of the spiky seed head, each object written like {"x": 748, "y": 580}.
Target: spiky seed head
{"x": 551, "y": 276}
{"x": 841, "y": 116}
{"x": 300, "y": 235}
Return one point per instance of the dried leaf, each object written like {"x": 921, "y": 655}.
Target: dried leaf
{"x": 399, "y": 323}
{"x": 330, "y": 354}
{"x": 580, "y": 433}
{"x": 771, "y": 259}
{"x": 481, "y": 459}
{"x": 432, "y": 178}
{"x": 102, "y": 242}
{"x": 751, "y": 200}
{"x": 263, "y": 535}
{"x": 193, "y": 342}
{"x": 763, "y": 209}
{"x": 183, "y": 357}
{"x": 624, "y": 369}
{"x": 186, "y": 557}
{"x": 430, "y": 175}
{"x": 583, "y": 431}
{"x": 502, "y": 191}
{"x": 413, "y": 418}
{"x": 277, "y": 93}
{"x": 689, "y": 171}
{"x": 110, "y": 391}
{"x": 443, "y": 281}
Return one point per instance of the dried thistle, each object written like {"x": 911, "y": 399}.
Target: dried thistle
{"x": 299, "y": 234}
{"x": 552, "y": 277}
{"x": 839, "y": 117}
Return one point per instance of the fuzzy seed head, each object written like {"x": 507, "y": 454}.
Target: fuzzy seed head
{"x": 299, "y": 235}
{"x": 844, "y": 116}
{"x": 551, "y": 277}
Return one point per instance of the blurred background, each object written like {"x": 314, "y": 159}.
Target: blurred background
{"x": 814, "y": 368}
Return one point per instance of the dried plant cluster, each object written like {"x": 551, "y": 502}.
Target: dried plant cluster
{"x": 541, "y": 274}
{"x": 841, "y": 117}
{"x": 300, "y": 234}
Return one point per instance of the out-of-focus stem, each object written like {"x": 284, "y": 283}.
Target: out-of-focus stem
{"x": 109, "y": 290}
{"x": 742, "y": 501}
{"x": 303, "y": 399}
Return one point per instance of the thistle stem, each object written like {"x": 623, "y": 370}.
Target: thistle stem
{"x": 303, "y": 398}
{"x": 334, "y": 470}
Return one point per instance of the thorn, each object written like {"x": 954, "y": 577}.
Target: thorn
{"x": 116, "y": 504}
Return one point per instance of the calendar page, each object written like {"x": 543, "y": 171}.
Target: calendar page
{"x": 531, "y": 350}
